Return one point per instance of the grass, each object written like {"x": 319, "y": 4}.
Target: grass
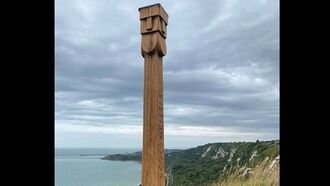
{"x": 261, "y": 175}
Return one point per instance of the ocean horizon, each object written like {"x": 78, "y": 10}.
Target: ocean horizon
{"x": 84, "y": 167}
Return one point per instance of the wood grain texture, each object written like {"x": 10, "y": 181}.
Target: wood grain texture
{"x": 153, "y": 48}
{"x": 153, "y": 129}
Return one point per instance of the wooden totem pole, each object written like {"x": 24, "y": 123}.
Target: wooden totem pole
{"x": 153, "y": 47}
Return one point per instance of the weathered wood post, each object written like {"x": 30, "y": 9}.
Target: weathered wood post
{"x": 153, "y": 47}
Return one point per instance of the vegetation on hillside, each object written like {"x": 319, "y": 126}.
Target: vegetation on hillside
{"x": 266, "y": 173}
{"x": 219, "y": 164}
{"x": 206, "y": 164}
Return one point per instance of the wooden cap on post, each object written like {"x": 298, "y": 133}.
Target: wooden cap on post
{"x": 154, "y": 21}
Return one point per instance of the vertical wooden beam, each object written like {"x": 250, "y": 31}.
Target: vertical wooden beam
{"x": 153, "y": 47}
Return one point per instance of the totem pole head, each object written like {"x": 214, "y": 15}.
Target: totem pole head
{"x": 154, "y": 21}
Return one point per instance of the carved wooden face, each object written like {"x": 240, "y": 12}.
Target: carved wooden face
{"x": 153, "y": 19}
{"x": 153, "y": 29}
{"x": 153, "y": 24}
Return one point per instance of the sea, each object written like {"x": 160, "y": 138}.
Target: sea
{"x": 84, "y": 167}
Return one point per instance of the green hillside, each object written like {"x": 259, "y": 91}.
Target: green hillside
{"x": 216, "y": 163}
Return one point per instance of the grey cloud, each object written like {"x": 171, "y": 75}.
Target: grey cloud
{"x": 221, "y": 68}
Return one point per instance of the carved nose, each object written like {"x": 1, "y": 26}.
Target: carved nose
{"x": 162, "y": 26}
{"x": 149, "y": 23}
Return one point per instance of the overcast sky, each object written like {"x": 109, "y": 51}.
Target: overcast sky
{"x": 221, "y": 72}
